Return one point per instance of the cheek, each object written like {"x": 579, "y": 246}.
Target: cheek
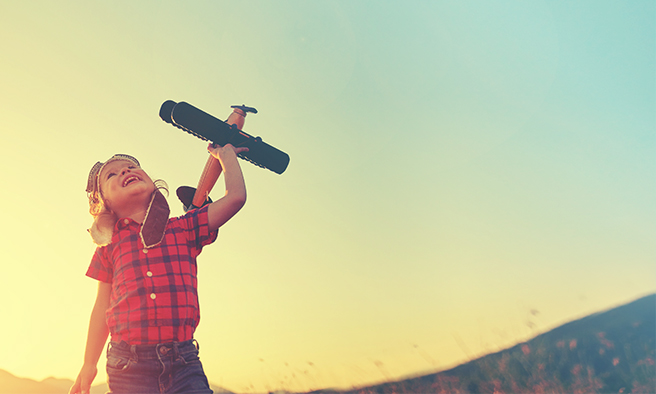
{"x": 149, "y": 182}
{"x": 108, "y": 190}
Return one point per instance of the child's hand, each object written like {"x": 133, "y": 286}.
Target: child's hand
{"x": 83, "y": 382}
{"x": 225, "y": 152}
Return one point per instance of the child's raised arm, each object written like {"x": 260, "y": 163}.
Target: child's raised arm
{"x": 96, "y": 339}
{"x": 222, "y": 210}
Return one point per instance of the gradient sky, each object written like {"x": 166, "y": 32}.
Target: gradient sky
{"x": 463, "y": 176}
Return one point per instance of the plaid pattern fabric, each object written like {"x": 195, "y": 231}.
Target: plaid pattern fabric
{"x": 154, "y": 295}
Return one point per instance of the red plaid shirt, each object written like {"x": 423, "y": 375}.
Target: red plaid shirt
{"x": 154, "y": 296}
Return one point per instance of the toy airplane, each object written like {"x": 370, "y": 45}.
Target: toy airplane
{"x": 206, "y": 127}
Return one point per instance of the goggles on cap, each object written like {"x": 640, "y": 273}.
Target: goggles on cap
{"x": 92, "y": 182}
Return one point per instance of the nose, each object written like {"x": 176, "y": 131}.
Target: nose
{"x": 125, "y": 170}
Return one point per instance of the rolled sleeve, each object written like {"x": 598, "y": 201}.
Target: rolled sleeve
{"x": 100, "y": 268}
{"x": 197, "y": 225}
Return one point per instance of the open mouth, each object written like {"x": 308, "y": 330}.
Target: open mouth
{"x": 130, "y": 179}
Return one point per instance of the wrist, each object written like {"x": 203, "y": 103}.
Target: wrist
{"x": 90, "y": 364}
{"x": 229, "y": 163}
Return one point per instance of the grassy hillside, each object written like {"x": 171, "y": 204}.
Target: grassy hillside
{"x": 609, "y": 352}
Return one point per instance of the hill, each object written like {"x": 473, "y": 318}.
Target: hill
{"x": 607, "y": 352}
{"x": 10, "y": 384}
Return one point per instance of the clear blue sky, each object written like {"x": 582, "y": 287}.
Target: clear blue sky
{"x": 454, "y": 165}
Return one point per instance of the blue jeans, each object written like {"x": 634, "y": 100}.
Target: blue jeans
{"x": 148, "y": 369}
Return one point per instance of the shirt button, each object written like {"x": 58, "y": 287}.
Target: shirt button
{"x": 126, "y": 221}
{"x": 150, "y": 274}
{"x": 145, "y": 250}
{"x": 153, "y": 296}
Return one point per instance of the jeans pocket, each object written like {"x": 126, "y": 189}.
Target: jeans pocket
{"x": 118, "y": 364}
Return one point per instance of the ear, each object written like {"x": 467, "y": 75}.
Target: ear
{"x": 105, "y": 203}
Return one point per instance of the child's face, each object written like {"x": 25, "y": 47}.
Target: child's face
{"x": 124, "y": 185}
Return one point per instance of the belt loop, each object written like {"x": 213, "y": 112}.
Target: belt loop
{"x": 133, "y": 350}
{"x": 195, "y": 342}
{"x": 176, "y": 352}
{"x": 109, "y": 346}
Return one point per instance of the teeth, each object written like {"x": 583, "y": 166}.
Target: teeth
{"x": 129, "y": 179}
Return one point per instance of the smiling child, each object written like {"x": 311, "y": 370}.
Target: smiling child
{"x": 145, "y": 263}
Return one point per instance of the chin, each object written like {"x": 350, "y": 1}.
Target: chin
{"x": 145, "y": 190}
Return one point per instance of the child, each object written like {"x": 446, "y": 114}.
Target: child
{"x": 146, "y": 267}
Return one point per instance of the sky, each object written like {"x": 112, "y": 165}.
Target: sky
{"x": 463, "y": 176}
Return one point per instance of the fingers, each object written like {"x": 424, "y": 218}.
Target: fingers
{"x": 75, "y": 389}
{"x": 85, "y": 386}
{"x": 214, "y": 148}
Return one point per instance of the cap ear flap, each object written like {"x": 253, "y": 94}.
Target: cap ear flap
{"x": 93, "y": 174}
{"x": 102, "y": 228}
{"x": 154, "y": 225}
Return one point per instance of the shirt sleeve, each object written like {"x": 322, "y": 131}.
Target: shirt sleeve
{"x": 100, "y": 267}
{"x": 197, "y": 225}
